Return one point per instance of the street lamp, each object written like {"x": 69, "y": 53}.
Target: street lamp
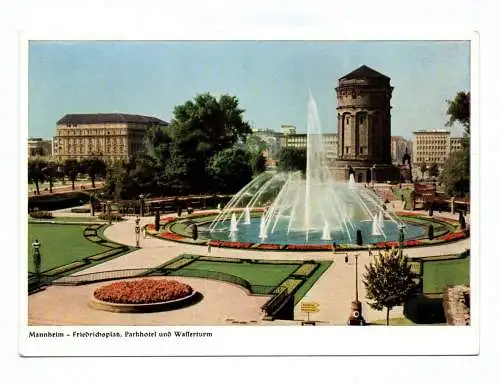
{"x": 37, "y": 258}
{"x": 356, "y": 317}
{"x": 137, "y": 231}
{"x": 141, "y": 205}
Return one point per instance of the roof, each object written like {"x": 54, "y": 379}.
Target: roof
{"x": 364, "y": 72}
{"x": 97, "y": 118}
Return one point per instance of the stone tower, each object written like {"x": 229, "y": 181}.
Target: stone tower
{"x": 364, "y": 126}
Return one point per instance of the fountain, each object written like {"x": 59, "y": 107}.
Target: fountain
{"x": 307, "y": 208}
{"x": 234, "y": 223}
{"x": 326, "y": 233}
{"x": 247, "y": 215}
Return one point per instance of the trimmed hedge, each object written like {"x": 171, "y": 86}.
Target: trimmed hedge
{"x": 65, "y": 268}
{"x": 41, "y": 215}
{"x": 305, "y": 270}
{"x": 114, "y": 216}
{"x": 291, "y": 284}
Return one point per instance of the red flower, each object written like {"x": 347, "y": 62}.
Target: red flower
{"x": 144, "y": 291}
{"x": 269, "y": 246}
{"x": 171, "y": 236}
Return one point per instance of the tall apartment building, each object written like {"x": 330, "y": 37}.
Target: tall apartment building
{"x": 434, "y": 147}
{"x": 110, "y": 136}
{"x": 399, "y": 147}
{"x": 39, "y": 147}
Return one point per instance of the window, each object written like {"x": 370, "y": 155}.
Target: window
{"x": 361, "y": 149}
{"x": 346, "y": 149}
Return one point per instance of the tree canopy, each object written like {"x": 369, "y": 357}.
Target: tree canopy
{"x": 230, "y": 170}
{"x": 292, "y": 159}
{"x": 388, "y": 280}
{"x": 456, "y": 172}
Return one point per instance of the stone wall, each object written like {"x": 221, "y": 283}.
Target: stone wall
{"x": 456, "y": 303}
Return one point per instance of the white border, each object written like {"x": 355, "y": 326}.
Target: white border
{"x": 261, "y": 340}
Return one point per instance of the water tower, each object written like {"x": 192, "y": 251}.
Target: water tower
{"x": 364, "y": 127}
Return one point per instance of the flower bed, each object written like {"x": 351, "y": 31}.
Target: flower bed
{"x": 308, "y": 247}
{"x": 144, "y": 291}
{"x": 235, "y": 244}
{"x": 453, "y": 236}
{"x": 267, "y": 246}
{"x": 165, "y": 220}
{"x": 305, "y": 270}
{"x": 171, "y": 236}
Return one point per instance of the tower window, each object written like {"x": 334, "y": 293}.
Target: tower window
{"x": 346, "y": 149}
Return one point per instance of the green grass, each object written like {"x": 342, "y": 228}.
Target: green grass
{"x": 395, "y": 321}
{"x": 60, "y": 244}
{"x": 406, "y": 192}
{"x": 65, "y": 219}
{"x": 255, "y": 274}
{"x": 438, "y": 274}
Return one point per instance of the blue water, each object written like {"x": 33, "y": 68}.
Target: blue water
{"x": 250, "y": 233}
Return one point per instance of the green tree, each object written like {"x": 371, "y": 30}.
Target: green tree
{"x": 71, "y": 168}
{"x": 35, "y": 172}
{"x": 93, "y": 167}
{"x": 203, "y": 127}
{"x": 388, "y": 281}
{"x": 459, "y": 111}
{"x": 230, "y": 170}
{"x": 423, "y": 169}
{"x": 456, "y": 174}
{"x": 433, "y": 170}
{"x": 292, "y": 159}
{"x": 50, "y": 172}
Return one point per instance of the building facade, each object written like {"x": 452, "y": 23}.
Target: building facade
{"x": 39, "y": 147}
{"x": 364, "y": 127}
{"x": 109, "y": 136}
{"x": 299, "y": 140}
{"x": 433, "y": 146}
{"x": 399, "y": 148}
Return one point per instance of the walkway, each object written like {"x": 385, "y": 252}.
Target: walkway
{"x": 334, "y": 291}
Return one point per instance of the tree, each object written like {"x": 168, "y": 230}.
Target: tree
{"x": 423, "y": 169}
{"x": 433, "y": 170}
{"x": 50, "y": 172}
{"x": 157, "y": 220}
{"x": 203, "y": 127}
{"x": 71, "y": 168}
{"x": 459, "y": 111}
{"x": 292, "y": 159}
{"x": 93, "y": 167}
{"x": 388, "y": 280}
{"x": 430, "y": 233}
{"x": 230, "y": 170}
{"x": 35, "y": 173}
{"x": 455, "y": 175}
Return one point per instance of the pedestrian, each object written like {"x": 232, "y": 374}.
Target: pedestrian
{"x": 346, "y": 259}
{"x": 209, "y": 248}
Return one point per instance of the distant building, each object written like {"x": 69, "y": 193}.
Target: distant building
{"x": 109, "y": 136}
{"x": 39, "y": 147}
{"x": 299, "y": 140}
{"x": 399, "y": 147}
{"x": 288, "y": 130}
{"x": 273, "y": 144}
{"x": 433, "y": 146}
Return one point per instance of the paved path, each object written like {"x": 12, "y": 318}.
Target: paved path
{"x": 333, "y": 291}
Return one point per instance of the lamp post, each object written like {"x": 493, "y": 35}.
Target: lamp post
{"x": 355, "y": 317}
{"x": 141, "y": 205}
{"x": 37, "y": 258}
{"x": 137, "y": 231}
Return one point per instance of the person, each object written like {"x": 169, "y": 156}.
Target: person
{"x": 209, "y": 248}
{"x": 218, "y": 206}
{"x": 334, "y": 246}
{"x": 346, "y": 259}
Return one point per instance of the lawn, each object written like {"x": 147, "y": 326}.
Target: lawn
{"x": 438, "y": 274}
{"x": 60, "y": 244}
{"x": 65, "y": 219}
{"x": 255, "y": 274}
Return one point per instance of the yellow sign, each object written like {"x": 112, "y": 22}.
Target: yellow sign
{"x": 309, "y": 307}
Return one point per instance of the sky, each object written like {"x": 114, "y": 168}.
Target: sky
{"x": 271, "y": 79}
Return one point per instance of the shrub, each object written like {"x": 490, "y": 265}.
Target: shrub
{"x": 431, "y": 232}
{"x": 80, "y": 210}
{"x": 114, "y": 216}
{"x": 41, "y": 215}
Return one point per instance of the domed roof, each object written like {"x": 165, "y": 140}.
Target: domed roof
{"x": 364, "y": 72}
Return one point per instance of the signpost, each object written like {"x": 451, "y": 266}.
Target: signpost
{"x": 309, "y": 307}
